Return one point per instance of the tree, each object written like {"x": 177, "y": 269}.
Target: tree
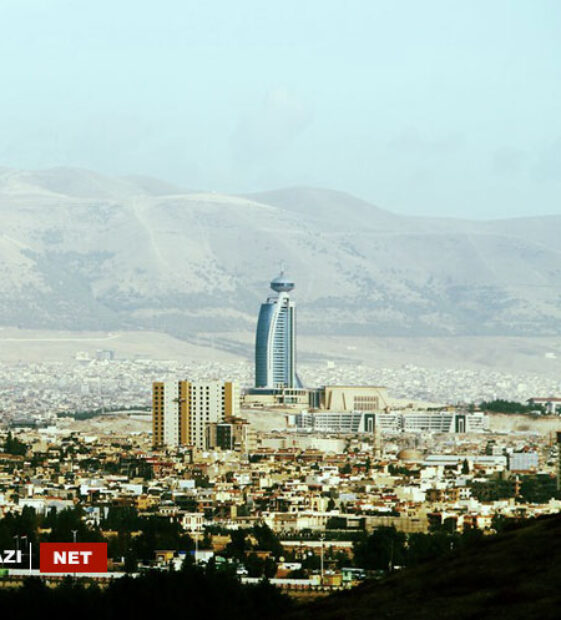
{"x": 336, "y": 523}
{"x": 64, "y": 522}
{"x": 492, "y": 489}
{"x": 122, "y": 519}
{"x": 158, "y": 533}
{"x": 267, "y": 540}
{"x": 238, "y": 545}
{"x": 270, "y": 568}
{"x": 255, "y": 565}
{"x": 509, "y": 406}
{"x": 206, "y": 542}
{"x": 422, "y": 547}
{"x": 539, "y": 488}
{"x": 14, "y": 446}
{"x": 383, "y": 549}
{"x": 213, "y": 593}
{"x": 131, "y": 563}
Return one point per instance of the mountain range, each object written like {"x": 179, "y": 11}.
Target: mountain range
{"x": 80, "y": 250}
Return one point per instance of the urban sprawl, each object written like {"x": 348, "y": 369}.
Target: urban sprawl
{"x": 251, "y": 467}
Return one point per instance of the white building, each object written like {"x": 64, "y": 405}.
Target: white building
{"x": 193, "y": 521}
{"x": 472, "y": 459}
{"x": 413, "y": 422}
{"x": 523, "y": 461}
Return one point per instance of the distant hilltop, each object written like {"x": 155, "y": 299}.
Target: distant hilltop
{"x": 80, "y": 250}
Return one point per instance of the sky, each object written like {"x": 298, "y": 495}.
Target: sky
{"x": 432, "y": 107}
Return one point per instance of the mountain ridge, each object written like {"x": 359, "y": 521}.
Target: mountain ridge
{"x": 107, "y": 253}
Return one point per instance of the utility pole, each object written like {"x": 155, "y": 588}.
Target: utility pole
{"x": 29, "y": 551}
{"x": 74, "y": 532}
{"x": 558, "y": 437}
{"x": 322, "y": 538}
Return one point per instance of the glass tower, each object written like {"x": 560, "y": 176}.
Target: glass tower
{"x": 275, "y": 340}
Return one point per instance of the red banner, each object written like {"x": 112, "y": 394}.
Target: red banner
{"x": 73, "y": 558}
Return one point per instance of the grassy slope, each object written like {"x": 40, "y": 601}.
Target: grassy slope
{"x": 514, "y": 575}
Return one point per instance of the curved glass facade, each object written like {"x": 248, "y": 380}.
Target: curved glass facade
{"x": 275, "y": 350}
{"x": 262, "y": 345}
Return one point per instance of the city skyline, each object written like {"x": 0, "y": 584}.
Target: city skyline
{"x": 159, "y": 452}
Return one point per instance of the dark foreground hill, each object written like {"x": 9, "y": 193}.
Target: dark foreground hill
{"x": 514, "y": 575}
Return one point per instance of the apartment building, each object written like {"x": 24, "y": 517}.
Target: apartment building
{"x": 182, "y": 410}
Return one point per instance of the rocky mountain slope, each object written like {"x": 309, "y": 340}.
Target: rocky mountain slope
{"x": 83, "y": 251}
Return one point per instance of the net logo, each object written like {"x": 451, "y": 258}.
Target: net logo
{"x": 73, "y": 558}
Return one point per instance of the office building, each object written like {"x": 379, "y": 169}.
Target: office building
{"x": 281, "y": 397}
{"x": 232, "y": 434}
{"x": 396, "y": 422}
{"x": 523, "y": 461}
{"x": 349, "y": 398}
{"x": 275, "y": 341}
{"x": 182, "y": 410}
{"x": 336, "y": 422}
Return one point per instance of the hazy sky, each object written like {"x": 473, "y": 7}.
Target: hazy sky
{"x": 448, "y": 107}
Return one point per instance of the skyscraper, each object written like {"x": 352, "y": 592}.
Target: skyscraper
{"x": 275, "y": 340}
